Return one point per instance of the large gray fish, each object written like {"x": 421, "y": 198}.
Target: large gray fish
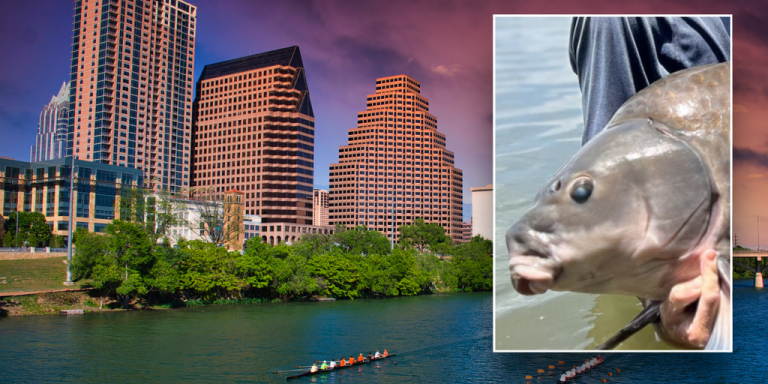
{"x": 633, "y": 210}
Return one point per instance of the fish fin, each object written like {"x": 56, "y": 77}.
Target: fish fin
{"x": 648, "y": 315}
{"x": 722, "y": 333}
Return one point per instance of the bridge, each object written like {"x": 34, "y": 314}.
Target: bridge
{"x": 759, "y": 269}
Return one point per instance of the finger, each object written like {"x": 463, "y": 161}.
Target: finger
{"x": 681, "y": 296}
{"x": 706, "y": 313}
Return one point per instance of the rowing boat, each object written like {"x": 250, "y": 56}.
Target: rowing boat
{"x": 310, "y": 373}
{"x": 579, "y": 374}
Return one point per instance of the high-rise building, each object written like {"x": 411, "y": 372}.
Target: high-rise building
{"x": 131, "y": 87}
{"x": 320, "y": 207}
{"x": 396, "y": 160}
{"x": 51, "y": 139}
{"x": 254, "y": 131}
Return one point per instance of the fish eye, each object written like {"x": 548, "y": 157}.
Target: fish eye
{"x": 581, "y": 190}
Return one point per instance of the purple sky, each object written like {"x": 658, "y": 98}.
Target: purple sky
{"x": 445, "y": 45}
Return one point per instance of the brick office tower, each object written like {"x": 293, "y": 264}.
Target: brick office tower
{"x": 396, "y": 160}
{"x": 254, "y": 131}
{"x": 131, "y": 87}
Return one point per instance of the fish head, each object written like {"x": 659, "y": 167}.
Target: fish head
{"x": 617, "y": 218}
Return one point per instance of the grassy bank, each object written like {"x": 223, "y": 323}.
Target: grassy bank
{"x": 34, "y": 275}
{"x": 47, "y": 303}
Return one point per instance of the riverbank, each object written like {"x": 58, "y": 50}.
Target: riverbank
{"x": 52, "y": 303}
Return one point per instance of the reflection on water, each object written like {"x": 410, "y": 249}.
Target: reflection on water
{"x": 538, "y": 128}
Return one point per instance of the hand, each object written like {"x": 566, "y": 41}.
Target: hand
{"x": 690, "y": 326}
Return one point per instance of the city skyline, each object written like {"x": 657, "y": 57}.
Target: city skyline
{"x": 340, "y": 62}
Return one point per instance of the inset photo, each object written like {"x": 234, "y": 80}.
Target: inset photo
{"x": 612, "y": 162}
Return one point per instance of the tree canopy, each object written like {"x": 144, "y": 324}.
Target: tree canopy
{"x": 423, "y": 236}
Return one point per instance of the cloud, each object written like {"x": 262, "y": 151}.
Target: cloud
{"x": 746, "y": 155}
{"x": 449, "y": 70}
{"x": 756, "y": 175}
{"x": 738, "y": 108}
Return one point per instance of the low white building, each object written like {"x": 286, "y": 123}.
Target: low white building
{"x": 251, "y": 224}
{"x": 482, "y": 211}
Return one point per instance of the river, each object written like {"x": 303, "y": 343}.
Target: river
{"x": 437, "y": 338}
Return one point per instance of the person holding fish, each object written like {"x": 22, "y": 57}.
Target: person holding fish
{"x": 614, "y": 59}
{"x": 643, "y": 208}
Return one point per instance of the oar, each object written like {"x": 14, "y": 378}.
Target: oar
{"x": 289, "y": 370}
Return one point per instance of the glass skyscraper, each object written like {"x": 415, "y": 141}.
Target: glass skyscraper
{"x": 51, "y": 139}
{"x": 131, "y": 87}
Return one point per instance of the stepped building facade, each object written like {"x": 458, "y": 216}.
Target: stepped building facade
{"x": 130, "y": 101}
{"x": 254, "y": 131}
{"x": 395, "y": 167}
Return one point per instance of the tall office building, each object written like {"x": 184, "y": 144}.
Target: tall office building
{"x": 131, "y": 87}
{"x": 51, "y": 139}
{"x": 254, "y": 131}
{"x": 320, "y": 207}
{"x": 396, "y": 160}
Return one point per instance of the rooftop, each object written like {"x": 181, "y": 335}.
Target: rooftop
{"x": 290, "y": 56}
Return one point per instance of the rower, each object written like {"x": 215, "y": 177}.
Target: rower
{"x": 332, "y": 365}
{"x": 351, "y": 359}
{"x": 360, "y": 359}
{"x": 377, "y": 354}
{"x": 385, "y": 353}
{"x": 563, "y": 378}
{"x": 343, "y": 362}
{"x": 324, "y": 366}
{"x": 314, "y": 368}
{"x": 370, "y": 356}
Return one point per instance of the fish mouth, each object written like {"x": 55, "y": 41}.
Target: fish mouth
{"x": 532, "y": 272}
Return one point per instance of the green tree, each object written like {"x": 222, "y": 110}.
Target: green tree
{"x": 421, "y": 235}
{"x": 360, "y": 240}
{"x": 473, "y": 265}
{"x": 292, "y": 277}
{"x": 32, "y": 240}
{"x": 56, "y": 241}
{"x": 131, "y": 247}
{"x": 211, "y": 271}
{"x": 339, "y": 274}
{"x": 89, "y": 252}
{"x": 30, "y": 223}
{"x": 376, "y": 277}
{"x": 9, "y": 240}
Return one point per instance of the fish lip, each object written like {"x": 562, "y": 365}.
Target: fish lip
{"x": 533, "y": 272}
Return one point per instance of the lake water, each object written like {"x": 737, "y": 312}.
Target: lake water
{"x": 438, "y": 338}
{"x": 539, "y": 126}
